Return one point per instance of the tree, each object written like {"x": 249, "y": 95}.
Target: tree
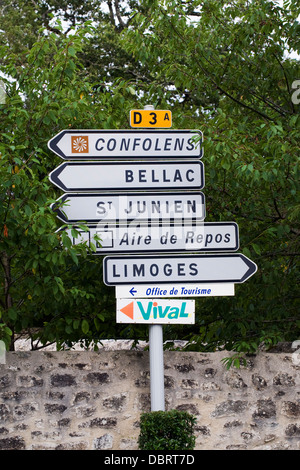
{"x": 224, "y": 67}
{"x": 48, "y": 287}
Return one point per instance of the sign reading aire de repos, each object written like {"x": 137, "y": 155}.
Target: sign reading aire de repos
{"x": 201, "y": 236}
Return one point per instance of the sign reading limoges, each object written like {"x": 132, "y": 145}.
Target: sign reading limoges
{"x": 156, "y": 311}
{"x": 150, "y": 118}
{"x": 102, "y": 207}
{"x": 126, "y": 144}
{"x": 131, "y": 175}
{"x": 153, "y": 269}
{"x": 201, "y": 236}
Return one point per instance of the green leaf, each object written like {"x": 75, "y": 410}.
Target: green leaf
{"x": 85, "y": 326}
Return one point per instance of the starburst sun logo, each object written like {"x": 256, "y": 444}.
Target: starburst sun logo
{"x": 80, "y": 144}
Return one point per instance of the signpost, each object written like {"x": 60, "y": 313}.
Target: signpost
{"x": 139, "y": 190}
{"x": 105, "y": 207}
{"x": 133, "y": 238}
{"x": 128, "y": 176}
{"x": 126, "y": 144}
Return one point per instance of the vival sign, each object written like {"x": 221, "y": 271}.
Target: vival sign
{"x": 156, "y": 311}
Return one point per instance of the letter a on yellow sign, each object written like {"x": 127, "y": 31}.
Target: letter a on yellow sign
{"x": 150, "y": 118}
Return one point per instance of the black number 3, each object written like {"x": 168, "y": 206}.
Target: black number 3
{"x": 154, "y": 120}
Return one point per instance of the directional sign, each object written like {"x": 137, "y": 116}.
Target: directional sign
{"x": 138, "y": 291}
{"x": 150, "y": 118}
{"x": 233, "y": 268}
{"x": 93, "y": 176}
{"x": 203, "y": 236}
{"x": 155, "y": 311}
{"x": 131, "y": 206}
{"x": 120, "y": 144}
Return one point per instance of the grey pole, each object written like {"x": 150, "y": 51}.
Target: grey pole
{"x": 156, "y": 368}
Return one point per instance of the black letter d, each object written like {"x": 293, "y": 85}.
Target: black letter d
{"x": 137, "y": 118}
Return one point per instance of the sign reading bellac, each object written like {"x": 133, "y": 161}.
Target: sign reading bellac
{"x": 129, "y": 175}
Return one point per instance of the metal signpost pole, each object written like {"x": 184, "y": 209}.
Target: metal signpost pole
{"x": 156, "y": 352}
{"x": 156, "y": 368}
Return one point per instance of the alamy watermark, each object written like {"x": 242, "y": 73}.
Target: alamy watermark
{"x": 296, "y": 94}
{"x": 2, "y": 92}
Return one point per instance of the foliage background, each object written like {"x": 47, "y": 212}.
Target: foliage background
{"x": 219, "y": 66}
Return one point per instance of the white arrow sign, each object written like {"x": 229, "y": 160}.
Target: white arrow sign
{"x": 92, "y": 176}
{"x": 131, "y": 206}
{"x": 203, "y": 236}
{"x": 233, "y": 268}
{"x": 107, "y": 144}
{"x": 139, "y": 291}
{"x": 155, "y": 311}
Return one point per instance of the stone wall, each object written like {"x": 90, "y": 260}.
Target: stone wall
{"x": 93, "y": 400}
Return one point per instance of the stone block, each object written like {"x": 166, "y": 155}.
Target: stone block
{"x": 230, "y": 408}
{"x": 12, "y": 443}
{"x": 97, "y": 378}
{"x": 103, "y": 442}
{"x": 63, "y": 380}
{"x": 266, "y": 408}
{"x": 291, "y": 409}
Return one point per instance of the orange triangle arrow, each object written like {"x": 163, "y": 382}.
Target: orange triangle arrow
{"x": 128, "y": 310}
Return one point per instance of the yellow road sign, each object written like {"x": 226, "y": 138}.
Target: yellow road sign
{"x": 149, "y": 118}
